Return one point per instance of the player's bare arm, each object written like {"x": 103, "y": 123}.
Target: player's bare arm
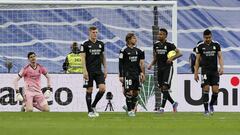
{"x": 220, "y": 59}
{"x": 142, "y": 74}
{"x": 85, "y": 72}
{"x": 154, "y": 61}
{"x": 196, "y": 67}
{"x": 104, "y": 62}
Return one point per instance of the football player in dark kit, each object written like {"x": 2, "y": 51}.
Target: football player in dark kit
{"x": 210, "y": 54}
{"x": 93, "y": 57}
{"x": 164, "y": 67}
{"x": 131, "y": 71}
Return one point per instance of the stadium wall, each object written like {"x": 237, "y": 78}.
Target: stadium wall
{"x": 69, "y": 96}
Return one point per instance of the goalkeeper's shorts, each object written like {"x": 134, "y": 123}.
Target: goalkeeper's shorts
{"x": 35, "y": 97}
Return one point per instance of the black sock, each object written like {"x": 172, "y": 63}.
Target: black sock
{"x": 170, "y": 98}
{"x": 129, "y": 102}
{"x": 134, "y": 101}
{"x": 89, "y": 101}
{"x": 205, "y": 100}
{"x": 165, "y": 97}
{"x": 214, "y": 98}
{"x": 97, "y": 98}
{"x": 157, "y": 98}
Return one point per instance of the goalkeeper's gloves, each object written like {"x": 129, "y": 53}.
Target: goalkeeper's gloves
{"x": 47, "y": 94}
{"x": 19, "y": 96}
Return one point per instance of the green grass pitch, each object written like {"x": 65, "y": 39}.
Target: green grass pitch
{"x": 37, "y": 123}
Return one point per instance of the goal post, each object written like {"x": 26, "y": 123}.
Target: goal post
{"x": 50, "y": 27}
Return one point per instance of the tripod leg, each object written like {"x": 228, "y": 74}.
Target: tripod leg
{"x": 106, "y": 107}
{"x": 111, "y": 107}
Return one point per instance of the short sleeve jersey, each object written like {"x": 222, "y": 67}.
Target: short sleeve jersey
{"x": 94, "y": 52}
{"x": 161, "y": 50}
{"x": 130, "y": 58}
{"x": 32, "y": 77}
{"x": 209, "y": 56}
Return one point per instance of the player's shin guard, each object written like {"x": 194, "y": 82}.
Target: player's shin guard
{"x": 205, "y": 100}
{"x": 214, "y": 98}
{"x": 165, "y": 97}
{"x": 129, "y": 102}
{"x": 134, "y": 102}
{"x": 89, "y": 101}
{"x": 97, "y": 98}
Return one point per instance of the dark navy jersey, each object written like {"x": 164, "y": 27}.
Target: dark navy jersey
{"x": 129, "y": 61}
{"x": 161, "y": 50}
{"x": 94, "y": 53}
{"x": 209, "y": 56}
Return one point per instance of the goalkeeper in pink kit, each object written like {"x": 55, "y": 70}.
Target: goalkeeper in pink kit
{"x": 33, "y": 95}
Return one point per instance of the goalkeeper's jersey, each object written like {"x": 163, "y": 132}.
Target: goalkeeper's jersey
{"x": 32, "y": 77}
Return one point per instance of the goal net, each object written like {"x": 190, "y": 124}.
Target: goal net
{"x": 49, "y": 28}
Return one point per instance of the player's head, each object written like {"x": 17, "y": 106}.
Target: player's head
{"x": 207, "y": 35}
{"x": 163, "y": 34}
{"x": 74, "y": 46}
{"x": 93, "y": 31}
{"x": 131, "y": 39}
{"x": 31, "y": 57}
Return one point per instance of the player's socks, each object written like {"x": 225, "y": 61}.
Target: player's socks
{"x": 214, "y": 98}
{"x": 134, "y": 101}
{"x": 129, "y": 102}
{"x": 97, "y": 98}
{"x": 165, "y": 97}
{"x": 89, "y": 101}
{"x": 205, "y": 100}
{"x": 157, "y": 100}
{"x": 170, "y": 98}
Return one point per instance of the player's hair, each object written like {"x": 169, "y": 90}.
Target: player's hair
{"x": 207, "y": 32}
{"x": 30, "y": 53}
{"x": 164, "y": 30}
{"x": 92, "y": 28}
{"x": 129, "y": 36}
{"x": 74, "y": 44}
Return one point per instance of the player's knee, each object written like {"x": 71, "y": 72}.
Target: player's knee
{"x": 206, "y": 88}
{"x": 164, "y": 88}
{"x": 135, "y": 93}
{"x": 215, "y": 89}
{"x": 29, "y": 109}
{"x": 102, "y": 88}
{"x": 46, "y": 108}
{"x": 89, "y": 90}
{"x": 129, "y": 93}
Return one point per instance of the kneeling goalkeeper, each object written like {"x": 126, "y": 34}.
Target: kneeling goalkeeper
{"x": 33, "y": 96}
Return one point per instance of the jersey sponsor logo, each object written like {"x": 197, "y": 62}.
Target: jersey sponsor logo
{"x": 133, "y": 58}
{"x": 209, "y": 53}
{"x": 120, "y": 55}
{"x": 161, "y": 51}
{"x": 95, "y": 51}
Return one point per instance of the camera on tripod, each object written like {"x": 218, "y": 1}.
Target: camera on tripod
{"x": 109, "y": 97}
